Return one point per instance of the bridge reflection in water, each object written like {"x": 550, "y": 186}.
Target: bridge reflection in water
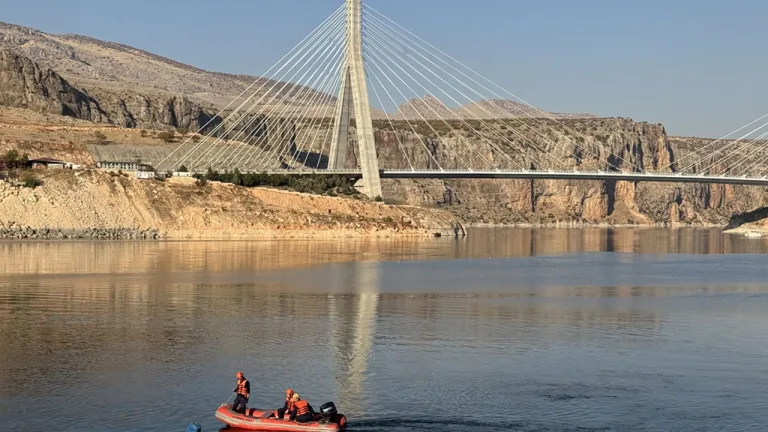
{"x": 353, "y": 324}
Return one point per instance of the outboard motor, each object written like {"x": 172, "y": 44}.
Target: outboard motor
{"x": 328, "y": 410}
{"x": 330, "y": 414}
{"x": 194, "y": 427}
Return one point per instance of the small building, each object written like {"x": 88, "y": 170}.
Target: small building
{"x": 124, "y": 166}
{"x": 182, "y": 174}
{"x": 48, "y": 163}
{"x": 145, "y": 175}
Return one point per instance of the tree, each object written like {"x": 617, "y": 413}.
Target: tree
{"x": 183, "y": 168}
{"x": 236, "y": 177}
{"x": 11, "y": 160}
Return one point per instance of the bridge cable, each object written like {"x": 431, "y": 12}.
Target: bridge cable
{"x": 324, "y": 114}
{"x": 257, "y": 80}
{"x": 720, "y": 150}
{"x": 403, "y": 52}
{"x": 544, "y": 113}
{"x": 372, "y": 60}
{"x": 715, "y": 142}
{"x": 314, "y": 49}
{"x": 322, "y": 94}
{"x": 285, "y": 83}
{"x": 376, "y": 56}
{"x": 293, "y": 106}
{"x": 292, "y": 53}
{"x": 439, "y": 117}
{"x": 373, "y": 74}
{"x": 744, "y": 159}
{"x": 278, "y": 81}
{"x": 318, "y": 95}
{"x": 408, "y": 102}
{"x": 391, "y": 125}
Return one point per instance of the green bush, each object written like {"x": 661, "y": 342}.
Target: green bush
{"x": 12, "y": 160}
{"x": 313, "y": 184}
{"x": 29, "y": 180}
{"x": 166, "y": 136}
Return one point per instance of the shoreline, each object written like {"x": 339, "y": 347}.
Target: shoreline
{"x": 26, "y": 233}
{"x": 152, "y": 234}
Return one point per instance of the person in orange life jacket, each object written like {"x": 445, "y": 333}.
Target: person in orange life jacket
{"x": 243, "y": 391}
{"x": 288, "y": 407}
{"x": 302, "y": 411}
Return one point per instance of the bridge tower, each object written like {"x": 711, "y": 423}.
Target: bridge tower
{"x": 354, "y": 95}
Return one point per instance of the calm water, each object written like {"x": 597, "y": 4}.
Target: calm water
{"x": 509, "y": 329}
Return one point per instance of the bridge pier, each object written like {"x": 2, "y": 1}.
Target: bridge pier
{"x": 354, "y": 94}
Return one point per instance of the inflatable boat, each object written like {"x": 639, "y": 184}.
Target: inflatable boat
{"x": 328, "y": 420}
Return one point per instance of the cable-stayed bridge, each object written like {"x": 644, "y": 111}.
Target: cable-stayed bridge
{"x": 313, "y": 115}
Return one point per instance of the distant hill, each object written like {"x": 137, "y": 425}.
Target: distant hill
{"x": 431, "y": 108}
{"x": 137, "y": 88}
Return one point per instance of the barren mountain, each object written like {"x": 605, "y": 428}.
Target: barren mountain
{"x": 129, "y": 82}
{"x": 93, "y": 64}
{"x": 431, "y": 108}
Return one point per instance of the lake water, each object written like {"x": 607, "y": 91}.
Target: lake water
{"x": 508, "y": 329}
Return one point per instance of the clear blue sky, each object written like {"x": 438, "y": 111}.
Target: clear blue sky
{"x": 697, "y": 66}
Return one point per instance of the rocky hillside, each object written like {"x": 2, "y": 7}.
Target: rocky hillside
{"x": 93, "y": 204}
{"x": 136, "y": 88}
{"x": 107, "y": 91}
{"x": 119, "y": 69}
{"x": 431, "y": 108}
{"x": 577, "y": 142}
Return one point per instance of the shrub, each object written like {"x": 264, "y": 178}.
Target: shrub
{"x": 166, "y": 136}
{"x": 143, "y": 133}
{"x": 29, "y": 180}
{"x": 11, "y": 160}
{"x": 182, "y": 131}
{"x": 378, "y": 198}
{"x": 101, "y": 139}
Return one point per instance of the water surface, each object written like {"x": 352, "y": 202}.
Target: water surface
{"x": 508, "y": 329}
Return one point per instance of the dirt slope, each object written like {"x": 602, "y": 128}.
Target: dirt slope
{"x": 178, "y": 208}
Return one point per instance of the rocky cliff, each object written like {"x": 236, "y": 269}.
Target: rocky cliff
{"x": 24, "y": 84}
{"x": 563, "y": 144}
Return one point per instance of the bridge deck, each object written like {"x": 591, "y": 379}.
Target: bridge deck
{"x": 540, "y": 175}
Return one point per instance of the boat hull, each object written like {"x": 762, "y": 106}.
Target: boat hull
{"x": 264, "y": 420}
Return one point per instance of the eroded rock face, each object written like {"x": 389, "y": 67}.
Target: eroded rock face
{"x": 24, "y": 84}
{"x": 574, "y": 144}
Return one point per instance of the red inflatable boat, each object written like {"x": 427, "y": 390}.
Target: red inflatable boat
{"x": 263, "y": 420}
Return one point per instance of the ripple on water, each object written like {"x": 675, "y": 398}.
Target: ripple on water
{"x": 441, "y": 345}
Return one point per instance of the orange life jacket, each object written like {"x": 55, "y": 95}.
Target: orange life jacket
{"x": 241, "y": 387}
{"x": 302, "y": 407}
{"x": 289, "y": 404}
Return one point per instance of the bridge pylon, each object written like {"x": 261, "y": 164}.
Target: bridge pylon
{"x": 353, "y": 94}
